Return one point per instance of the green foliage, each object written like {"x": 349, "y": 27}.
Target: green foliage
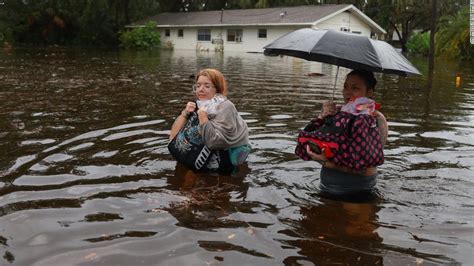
{"x": 96, "y": 27}
{"x": 407, "y": 16}
{"x": 97, "y": 22}
{"x": 419, "y": 43}
{"x": 85, "y": 22}
{"x": 141, "y": 38}
{"x": 453, "y": 37}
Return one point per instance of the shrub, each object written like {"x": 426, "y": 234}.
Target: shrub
{"x": 419, "y": 43}
{"x": 141, "y": 38}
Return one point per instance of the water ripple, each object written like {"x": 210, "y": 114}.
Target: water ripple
{"x": 86, "y": 177}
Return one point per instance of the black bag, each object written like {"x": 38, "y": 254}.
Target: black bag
{"x": 188, "y": 148}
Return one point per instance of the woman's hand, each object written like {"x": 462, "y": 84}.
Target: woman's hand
{"x": 190, "y": 107}
{"x": 202, "y": 115}
{"x": 320, "y": 158}
{"x": 323, "y": 160}
{"x": 329, "y": 108}
{"x": 181, "y": 119}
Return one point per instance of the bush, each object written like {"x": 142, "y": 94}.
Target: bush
{"x": 419, "y": 43}
{"x": 141, "y": 38}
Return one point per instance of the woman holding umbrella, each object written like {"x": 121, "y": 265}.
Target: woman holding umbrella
{"x": 349, "y": 170}
{"x": 353, "y": 168}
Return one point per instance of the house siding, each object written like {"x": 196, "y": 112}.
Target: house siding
{"x": 250, "y": 41}
{"x": 346, "y": 20}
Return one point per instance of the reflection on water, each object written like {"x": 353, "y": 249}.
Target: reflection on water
{"x": 351, "y": 236}
{"x": 86, "y": 178}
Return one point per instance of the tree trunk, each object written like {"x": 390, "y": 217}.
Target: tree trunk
{"x": 405, "y": 37}
{"x": 126, "y": 12}
{"x": 432, "y": 44}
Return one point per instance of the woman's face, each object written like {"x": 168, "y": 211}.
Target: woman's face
{"x": 354, "y": 87}
{"x": 205, "y": 90}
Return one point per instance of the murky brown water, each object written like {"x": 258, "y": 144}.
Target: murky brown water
{"x": 86, "y": 178}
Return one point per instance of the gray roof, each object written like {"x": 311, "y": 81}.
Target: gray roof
{"x": 297, "y": 14}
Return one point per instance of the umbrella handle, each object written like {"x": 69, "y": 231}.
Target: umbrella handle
{"x": 335, "y": 83}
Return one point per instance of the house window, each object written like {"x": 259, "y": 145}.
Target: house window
{"x": 204, "y": 35}
{"x": 262, "y": 33}
{"x": 345, "y": 29}
{"x": 167, "y": 32}
{"x": 234, "y": 35}
{"x": 357, "y": 32}
{"x": 180, "y": 33}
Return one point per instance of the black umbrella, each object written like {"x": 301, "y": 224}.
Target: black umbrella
{"x": 338, "y": 48}
{"x": 349, "y": 50}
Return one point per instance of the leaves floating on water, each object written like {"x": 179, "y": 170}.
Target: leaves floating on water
{"x": 91, "y": 256}
{"x": 250, "y": 231}
{"x": 105, "y": 237}
{"x": 9, "y": 256}
{"x": 102, "y": 217}
{"x": 419, "y": 261}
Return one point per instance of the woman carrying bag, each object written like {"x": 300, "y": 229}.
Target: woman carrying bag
{"x": 209, "y": 134}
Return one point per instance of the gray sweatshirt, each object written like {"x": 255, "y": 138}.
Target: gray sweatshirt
{"x": 226, "y": 129}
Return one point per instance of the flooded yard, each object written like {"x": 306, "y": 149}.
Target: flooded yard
{"x": 86, "y": 177}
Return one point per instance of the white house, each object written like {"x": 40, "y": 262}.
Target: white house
{"x": 249, "y": 30}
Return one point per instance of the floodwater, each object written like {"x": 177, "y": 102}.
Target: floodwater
{"x": 86, "y": 177}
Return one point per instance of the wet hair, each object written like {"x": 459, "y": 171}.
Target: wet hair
{"x": 366, "y": 76}
{"x": 216, "y": 77}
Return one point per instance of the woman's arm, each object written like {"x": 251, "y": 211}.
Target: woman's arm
{"x": 321, "y": 158}
{"x": 178, "y": 124}
{"x": 382, "y": 125}
{"x": 181, "y": 119}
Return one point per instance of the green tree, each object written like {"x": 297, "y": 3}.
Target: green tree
{"x": 90, "y": 22}
{"x": 96, "y": 25}
{"x": 141, "y": 38}
{"x": 96, "y": 22}
{"x": 419, "y": 43}
{"x": 403, "y": 17}
{"x": 262, "y": 4}
{"x": 453, "y": 38}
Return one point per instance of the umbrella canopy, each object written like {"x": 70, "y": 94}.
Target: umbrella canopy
{"x": 342, "y": 49}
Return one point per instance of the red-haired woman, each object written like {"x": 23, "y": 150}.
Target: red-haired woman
{"x": 220, "y": 126}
